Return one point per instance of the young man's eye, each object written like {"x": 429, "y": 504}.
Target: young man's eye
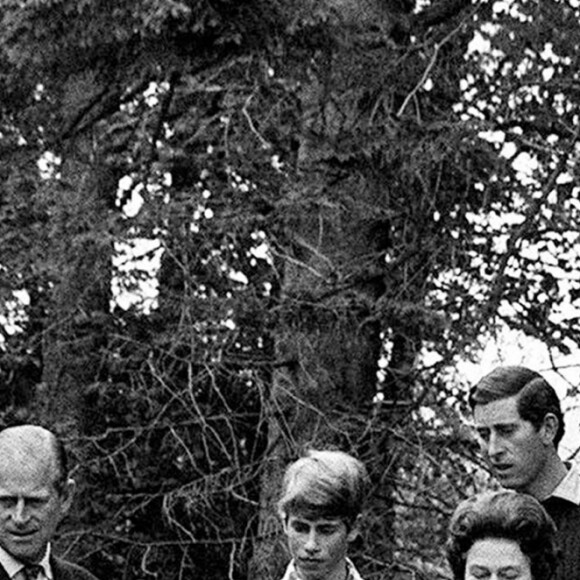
{"x": 300, "y": 527}
{"x": 483, "y": 434}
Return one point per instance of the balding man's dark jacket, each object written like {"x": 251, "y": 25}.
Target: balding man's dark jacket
{"x": 62, "y": 570}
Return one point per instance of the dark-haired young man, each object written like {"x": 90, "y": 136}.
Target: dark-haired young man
{"x": 519, "y": 422}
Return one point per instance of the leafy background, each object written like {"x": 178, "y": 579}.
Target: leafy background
{"x": 334, "y": 203}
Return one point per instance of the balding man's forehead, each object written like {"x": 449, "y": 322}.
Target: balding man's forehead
{"x": 26, "y": 435}
{"x": 25, "y": 431}
{"x": 28, "y": 442}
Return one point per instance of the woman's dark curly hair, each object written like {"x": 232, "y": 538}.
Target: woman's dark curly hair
{"x": 507, "y": 515}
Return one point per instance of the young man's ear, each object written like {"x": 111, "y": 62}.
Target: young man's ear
{"x": 549, "y": 429}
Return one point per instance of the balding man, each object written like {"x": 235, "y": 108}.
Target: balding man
{"x": 35, "y": 494}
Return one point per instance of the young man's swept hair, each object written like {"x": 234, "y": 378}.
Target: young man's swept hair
{"x": 535, "y": 399}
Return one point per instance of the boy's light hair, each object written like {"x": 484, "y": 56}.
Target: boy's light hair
{"x": 324, "y": 484}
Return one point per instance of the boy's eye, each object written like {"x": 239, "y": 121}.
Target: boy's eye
{"x": 300, "y": 527}
{"x": 327, "y": 530}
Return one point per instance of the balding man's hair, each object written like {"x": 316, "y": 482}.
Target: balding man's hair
{"x": 43, "y": 437}
{"x": 61, "y": 461}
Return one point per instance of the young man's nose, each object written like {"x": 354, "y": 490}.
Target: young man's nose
{"x": 494, "y": 446}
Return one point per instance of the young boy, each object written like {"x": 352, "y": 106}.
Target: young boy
{"x": 320, "y": 506}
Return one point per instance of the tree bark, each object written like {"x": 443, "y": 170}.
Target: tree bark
{"x": 80, "y": 254}
{"x": 326, "y": 332}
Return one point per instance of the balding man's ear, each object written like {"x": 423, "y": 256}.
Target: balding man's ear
{"x": 67, "y": 494}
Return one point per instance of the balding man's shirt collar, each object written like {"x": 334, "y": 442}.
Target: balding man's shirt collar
{"x": 13, "y": 566}
{"x": 569, "y": 488}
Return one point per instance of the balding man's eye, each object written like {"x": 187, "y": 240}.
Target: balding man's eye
{"x": 36, "y": 503}
{"x": 7, "y": 502}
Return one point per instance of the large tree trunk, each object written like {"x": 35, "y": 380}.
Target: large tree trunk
{"x": 327, "y": 340}
{"x": 331, "y": 351}
{"x": 80, "y": 254}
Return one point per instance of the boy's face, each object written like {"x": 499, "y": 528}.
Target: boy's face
{"x": 318, "y": 546}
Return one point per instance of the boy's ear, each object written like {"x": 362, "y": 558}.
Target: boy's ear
{"x": 354, "y": 531}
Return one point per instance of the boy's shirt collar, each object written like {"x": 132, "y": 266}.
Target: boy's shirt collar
{"x": 351, "y": 574}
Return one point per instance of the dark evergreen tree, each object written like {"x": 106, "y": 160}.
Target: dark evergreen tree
{"x": 322, "y": 180}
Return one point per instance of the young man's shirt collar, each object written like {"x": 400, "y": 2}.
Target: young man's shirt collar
{"x": 13, "y": 566}
{"x": 569, "y": 488}
{"x": 352, "y": 572}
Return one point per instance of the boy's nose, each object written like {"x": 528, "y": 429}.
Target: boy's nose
{"x": 312, "y": 542}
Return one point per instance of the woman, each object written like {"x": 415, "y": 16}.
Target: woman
{"x": 502, "y": 535}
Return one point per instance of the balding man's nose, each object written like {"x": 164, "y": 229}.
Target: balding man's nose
{"x": 20, "y": 513}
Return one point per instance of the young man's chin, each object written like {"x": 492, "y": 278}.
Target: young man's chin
{"x": 511, "y": 483}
